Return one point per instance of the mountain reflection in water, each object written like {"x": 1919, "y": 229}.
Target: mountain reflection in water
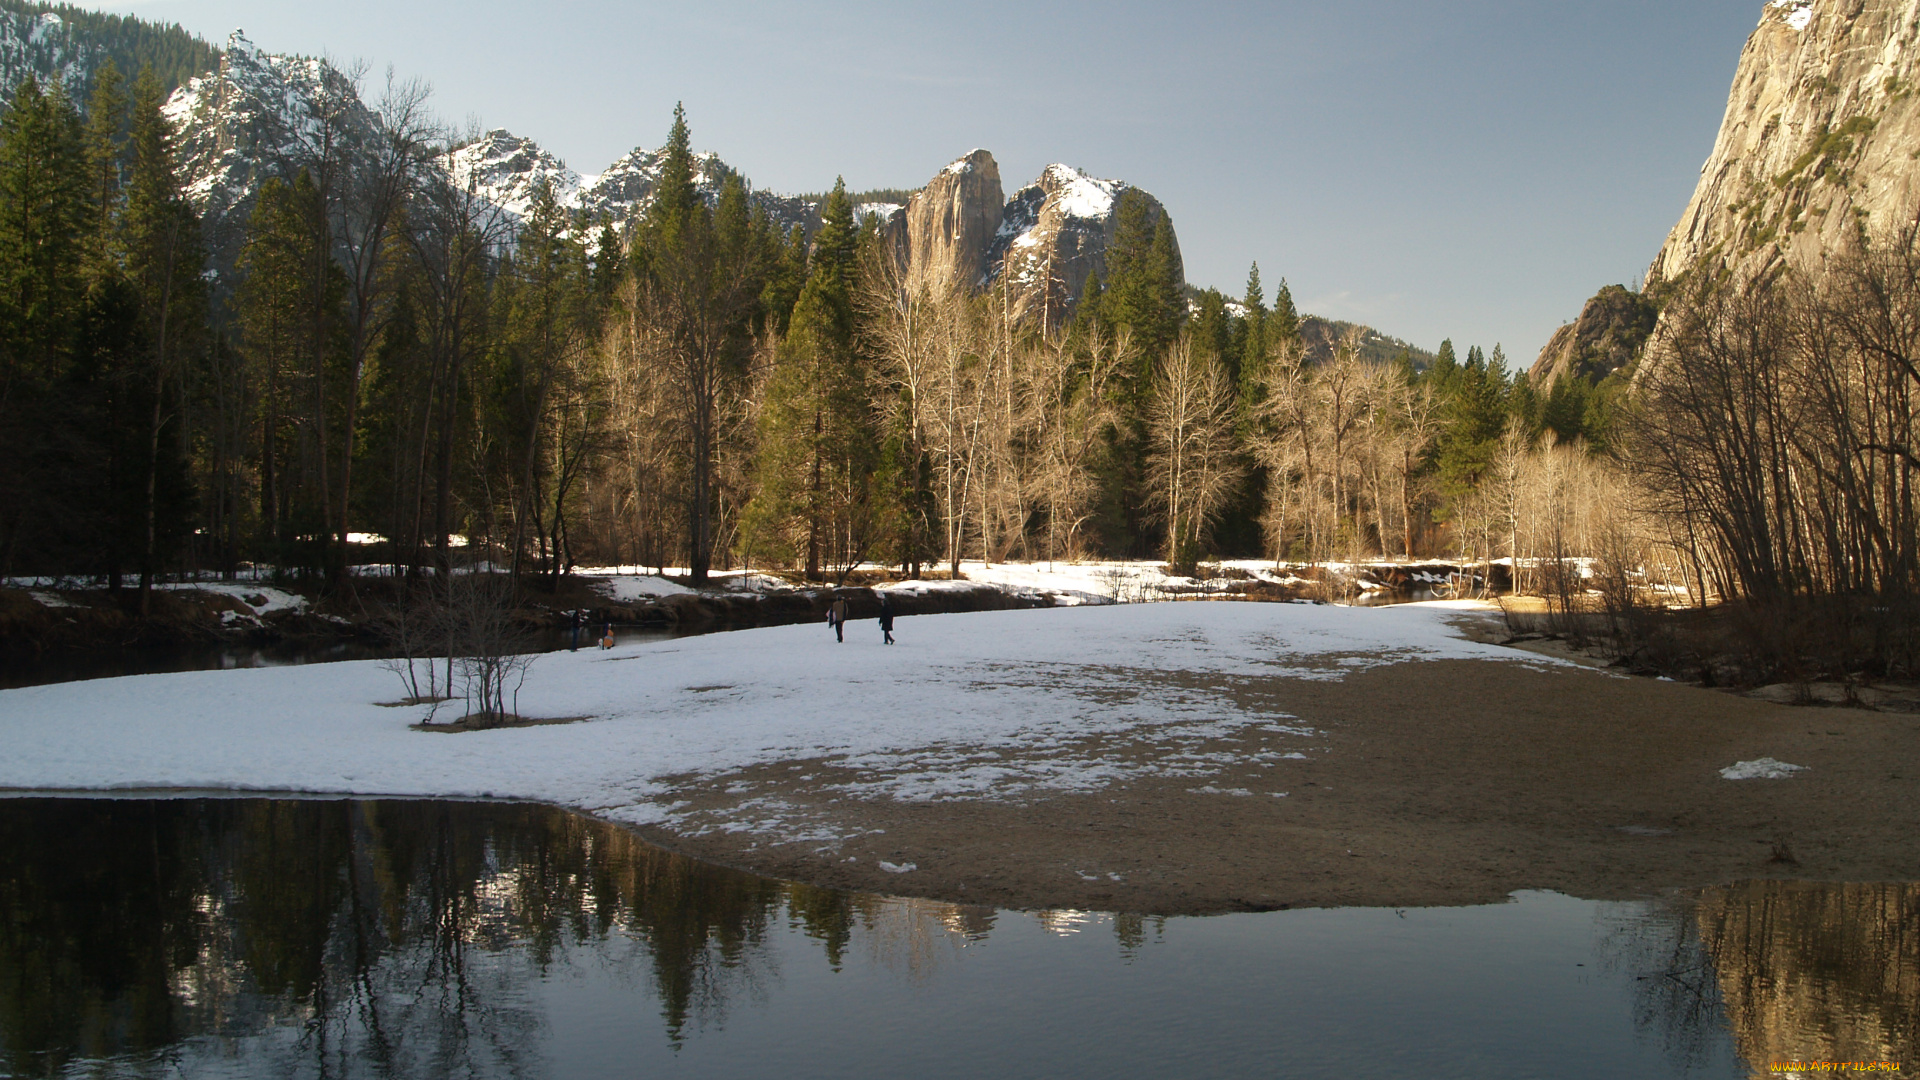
{"x": 258, "y": 937}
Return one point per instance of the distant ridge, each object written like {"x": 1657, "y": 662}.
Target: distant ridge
{"x": 61, "y": 42}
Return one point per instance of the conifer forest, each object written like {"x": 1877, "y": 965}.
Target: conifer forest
{"x": 391, "y": 356}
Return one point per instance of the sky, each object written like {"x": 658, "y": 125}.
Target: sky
{"x": 1471, "y": 170}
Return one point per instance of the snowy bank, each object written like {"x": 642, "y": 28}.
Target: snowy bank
{"x": 924, "y": 714}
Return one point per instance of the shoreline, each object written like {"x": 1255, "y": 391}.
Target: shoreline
{"x": 1157, "y": 759}
{"x": 1392, "y": 819}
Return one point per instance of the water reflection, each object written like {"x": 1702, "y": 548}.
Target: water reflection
{"x": 252, "y": 937}
{"x": 376, "y": 930}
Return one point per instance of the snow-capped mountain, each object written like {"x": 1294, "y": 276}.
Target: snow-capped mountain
{"x": 261, "y": 116}
{"x": 258, "y": 116}
{"x": 1054, "y": 235}
{"x": 506, "y": 169}
{"x": 1044, "y": 243}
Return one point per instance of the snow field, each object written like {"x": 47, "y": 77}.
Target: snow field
{"x": 985, "y": 705}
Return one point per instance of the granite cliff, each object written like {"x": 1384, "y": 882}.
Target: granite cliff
{"x": 1043, "y": 245}
{"x": 1820, "y": 143}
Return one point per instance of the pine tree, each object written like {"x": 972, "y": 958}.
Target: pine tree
{"x": 164, "y": 261}
{"x": 105, "y": 152}
{"x": 43, "y": 316}
{"x": 817, "y": 448}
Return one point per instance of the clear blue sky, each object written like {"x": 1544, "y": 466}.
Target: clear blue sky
{"x": 1471, "y": 169}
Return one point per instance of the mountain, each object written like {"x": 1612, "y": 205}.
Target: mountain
{"x": 1817, "y": 148}
{"x": 65, "y": 44}
{"x": 1043, "y": 244}
{"x": 505, "y": 169}
{"x": 1607, "y": 337}
{"x": 1819, "y": 142}
{"x": 1054, "y": 235}
{"x": 1320, "y": 337}
{"x": 257, "y": 116}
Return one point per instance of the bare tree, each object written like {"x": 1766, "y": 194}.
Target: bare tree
{"x": 1191, "y": 466}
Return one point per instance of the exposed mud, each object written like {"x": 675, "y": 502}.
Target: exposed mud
{"x": 1443, "y": 782}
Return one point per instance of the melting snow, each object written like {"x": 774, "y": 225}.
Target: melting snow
{"x": 985, "y": 705}
{"x": 1764, "y": 768}
{"x": 1798, "y": 13}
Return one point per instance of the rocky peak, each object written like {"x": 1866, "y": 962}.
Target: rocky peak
{"x": 257, "y": 116}
{"x": 1043, "y": 245}
{"x": 1608, "y": 336}
{"x": 949, "y": 225}
{"x": 1817, "y": 142}
{"x": 506, "y": 170}
{"x": 1053, "y": 238}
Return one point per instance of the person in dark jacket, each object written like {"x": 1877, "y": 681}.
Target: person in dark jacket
{"x": 837, "y": 618}
{"x": 886, "y": 619}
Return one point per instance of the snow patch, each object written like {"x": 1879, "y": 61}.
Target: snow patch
{"x": 1795, "y": 13}
{"x": 1764, "y": 768}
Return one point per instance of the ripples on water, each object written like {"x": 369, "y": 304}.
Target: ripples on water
{"x": 345, "y": 938}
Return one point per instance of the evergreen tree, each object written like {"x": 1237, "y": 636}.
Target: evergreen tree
{"x": 164, "y": 262}
{"x": 701, "y": 275}
{"x": 817, "y": 448}
{"x": 43, "y": 233}
{"x": 1250, "y": 342}
{"x": 291, "y": 347}
{"x": 1473, "y": 408}
{"x": 105, "y": 152}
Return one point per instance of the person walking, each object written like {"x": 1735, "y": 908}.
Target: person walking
{"x": 837, "y": 618}
{"x": 886, "y": 619}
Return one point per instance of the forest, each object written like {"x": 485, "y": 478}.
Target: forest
{"x": 399, "y": 358}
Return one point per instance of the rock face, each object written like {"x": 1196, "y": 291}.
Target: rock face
{"x": 1607, "y": 337}
{"x": 1821, "y": 138}
{"x": 505, "y": 169}
{"x": 1054, "y": 237}
{"x": 261, "y": 116}
{"x": 949, "y": 225}
{"x": 255, "y": 117}
{"x": 1043, "y": 245}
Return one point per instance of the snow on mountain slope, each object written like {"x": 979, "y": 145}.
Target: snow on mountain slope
{"x": 1054, "y": 236}
{"x": 261, "y": 116}
{"x": 38, "y": 45}
{"x": 256, "y": 117}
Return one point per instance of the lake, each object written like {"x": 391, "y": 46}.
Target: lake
{"x": 253, "y": 937}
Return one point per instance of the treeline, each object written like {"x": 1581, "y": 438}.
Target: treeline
{"x": 399, "y": 357}
{"x": 90, "y": 38}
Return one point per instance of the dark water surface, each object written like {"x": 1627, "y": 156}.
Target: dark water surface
{"x": 198, "y": 937}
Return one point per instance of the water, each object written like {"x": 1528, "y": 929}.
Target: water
{"x": 262, "y": 938}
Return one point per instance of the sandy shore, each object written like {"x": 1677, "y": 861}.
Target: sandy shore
{"x": 1437, "y": 782}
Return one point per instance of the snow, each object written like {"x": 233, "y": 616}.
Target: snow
{"x": 987, "y": 705}
{"x": 262, "y": 599}
{"x": 624, "y": 588}
{"x": 963, "y": 165}
{"x": 1081, "y": 196}
{"x": 883, "y": 210}
{"x": 1764, "y": 768}
{"x": 1796, "y": 13}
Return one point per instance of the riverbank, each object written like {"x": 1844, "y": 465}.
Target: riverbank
{"x": 1162, "y": 758}
{"x": 48, "y": 620}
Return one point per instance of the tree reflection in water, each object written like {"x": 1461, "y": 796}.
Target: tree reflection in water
{"x": 257, "y": 937}
{"x": 1796, "y": 970}
{"x": 384, "y": 937}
